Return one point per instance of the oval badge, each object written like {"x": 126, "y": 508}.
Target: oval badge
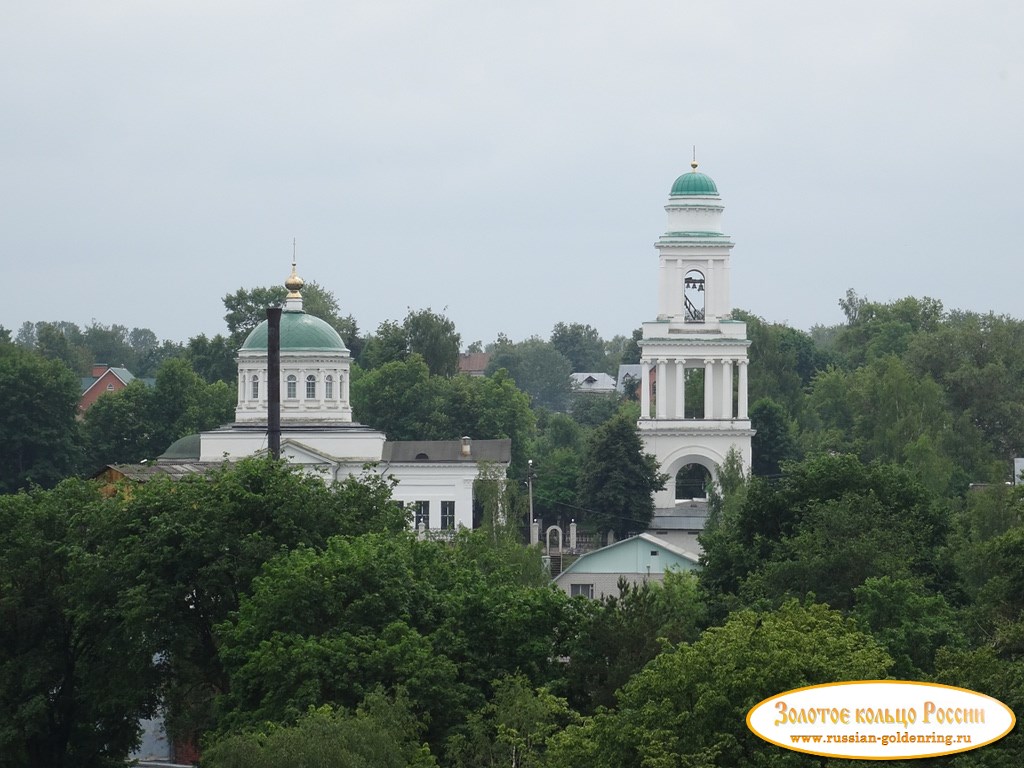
{"x": 881, "y": 719}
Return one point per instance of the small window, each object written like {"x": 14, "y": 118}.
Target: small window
{"x": 329, "y": 388}
{"x": 255, "y": 387}
{"x": 584, "y": 590}
{"x": 311, "y": 387}
{"x": 654, "y": 553}
{"x": 447, "y": 515}
{"x": 291, "y": 387}
{"x": 110, "y": 387}
{"x": 422, "y": 514}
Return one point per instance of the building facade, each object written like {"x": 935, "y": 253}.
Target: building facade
{"x": 435, "y": 478}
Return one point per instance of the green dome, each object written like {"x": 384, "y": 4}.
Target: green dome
{"x": 183, "y": 449}
{"x": 694, "y": 183}
{"x": 298, "y": 331}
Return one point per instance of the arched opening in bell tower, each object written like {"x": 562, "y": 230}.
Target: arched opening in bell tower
{"x": 691, "y": 482}
{"x": 693, "y": 296}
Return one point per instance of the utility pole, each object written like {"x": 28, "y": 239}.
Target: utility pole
{"x": 529, "y": 485}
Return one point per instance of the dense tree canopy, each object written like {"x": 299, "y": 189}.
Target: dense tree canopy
{"x": 75, "y": 673}
{"x": 537, "y": 368}
{"x": 618, "y": 479}
{"x": 39, "y": 441}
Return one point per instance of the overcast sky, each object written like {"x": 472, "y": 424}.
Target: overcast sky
{"x": 504, "y": 162}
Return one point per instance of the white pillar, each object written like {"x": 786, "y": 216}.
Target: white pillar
{"x": 661, "y": 398}
{"x": 741, "y": 395}
{"x": 709, "y": 389}
{"x": 645, "y": 389}
{"x": 680, "y": 388}
{"x": 727, "y": 389}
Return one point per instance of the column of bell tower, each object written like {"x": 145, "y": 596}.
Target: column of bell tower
{"x": 694, "y": 343}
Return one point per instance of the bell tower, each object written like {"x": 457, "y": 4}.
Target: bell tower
{"x": 693, "y": 394}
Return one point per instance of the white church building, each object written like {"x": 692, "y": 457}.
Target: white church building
{"x": 693, "y": 344}
{"x": 435, "y": 478}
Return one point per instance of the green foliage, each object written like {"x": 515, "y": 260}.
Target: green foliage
{"x": 617, "y": 479}
{"x": 75, "y": 674}
{"x": 537, "y": 368}
{"x": 512, "y": 729}
{"x": 433, "y": 337}
{"x": 687, "y": 707}
{"x": 591, "y": 409}
{"x": 617, "y": 636}
{"x": 40, "y": 434}
{"x": 437, "y": 621}
{"x": 827, "y": 525}
{"x": 195, "y": 545}
{"x": 885, "y": 411}
{"x": 425, "y": 333}
{"x": 773, "y": 442}
{"x": 381, "y": 733}
{"x": 140, "y": 422}
{"x": 909, "y": 620}
{"x": 581, "y": 345}
{"x": 213, "y": 359}
{"x": 403, "y": 400}
{"x": 783, "y": 362}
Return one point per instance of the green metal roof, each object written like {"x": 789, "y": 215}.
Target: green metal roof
{"x": 694, "y": 183}
{"x": 298, "y": 331}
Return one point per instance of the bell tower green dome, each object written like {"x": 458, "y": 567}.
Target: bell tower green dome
{"x": 694, "y": 183}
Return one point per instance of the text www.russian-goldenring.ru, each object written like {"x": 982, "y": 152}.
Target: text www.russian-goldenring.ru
{"x": 885, "y": 739}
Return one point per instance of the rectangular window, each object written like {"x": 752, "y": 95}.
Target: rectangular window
{"x": 290, "y": 388}
{"x": 586, "y": 590}
{"x": 447, "y": 515}
{"x": 422, "y": 514}
{"x": 329, "y": 388}
{"x": 311, "y": 387}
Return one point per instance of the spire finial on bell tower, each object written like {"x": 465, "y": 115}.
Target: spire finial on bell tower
{"x": 693, "y": 163}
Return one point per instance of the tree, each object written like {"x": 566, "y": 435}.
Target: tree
{"x": 581, "y": 345}
{"x": 76, "y": 674}
{"x": 825, "y": 526}
{"x": 64, "y": 342}
{"x": 433, "y": 337}
{"x": 402, "y": 399}
{"x": 618, "y": 635}
{"x": 618, "y": 479}
{"x": 193, "y": 546}
{"x": 213, "y": 358}
{"x": 623, "y": 350}
{"x": 441, "y": 622}
{"x": 773, "y": 441}
{"x": 40, "y": 434}
{"x": 119, "y": 428}
{"x": 389, "y": 345}
{"x": 537, "y": 368}
{"x": 512, "y": 729}
{"x": 381, "y": 733}
{"x": 687, "y": 707}
{"x": 910, "y": 620}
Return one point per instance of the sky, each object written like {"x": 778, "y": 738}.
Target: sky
{"x": 505, "y": 163}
